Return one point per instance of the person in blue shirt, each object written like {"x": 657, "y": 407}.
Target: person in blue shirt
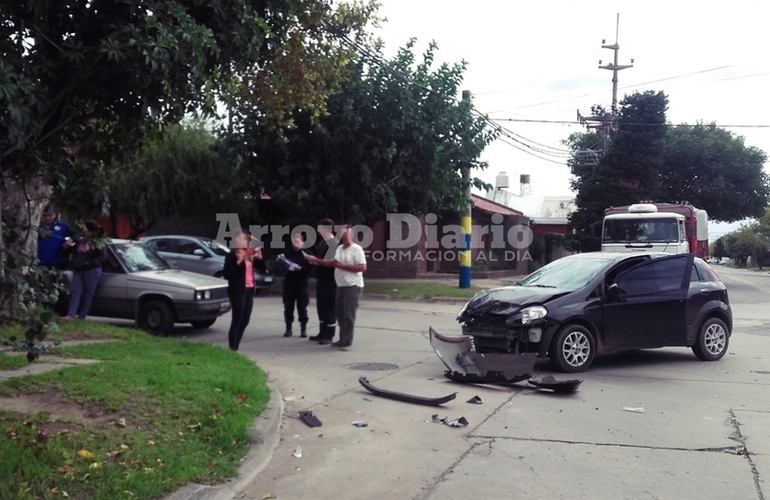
{"x": 50, "y": 243}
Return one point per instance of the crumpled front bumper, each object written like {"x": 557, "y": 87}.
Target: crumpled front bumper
{"x": 464, "y": 364}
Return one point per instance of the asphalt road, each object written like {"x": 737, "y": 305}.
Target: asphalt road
{"x": 657, "y": 424}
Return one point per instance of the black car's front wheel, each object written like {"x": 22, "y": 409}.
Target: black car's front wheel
{"x": 156, "y": 317}
{"x": 712, "y": 341}
{"x": 573, "y": 349}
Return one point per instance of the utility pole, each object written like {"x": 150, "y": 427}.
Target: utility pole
{"x": 607, "y": 123}
{"x": 466, "y": 220}
{"x": 615, "y": 67}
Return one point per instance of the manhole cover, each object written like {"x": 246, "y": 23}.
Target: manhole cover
{"x": 372, "y": 367}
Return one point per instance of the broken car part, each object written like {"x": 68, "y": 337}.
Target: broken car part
{"x": 400, "y": 396}
{"x": 561, "y": 386}
{"x": 309, "y": 419}
{"x": 467, "y": 366}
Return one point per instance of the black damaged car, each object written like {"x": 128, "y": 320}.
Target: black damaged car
{"x": 587, "y": 304}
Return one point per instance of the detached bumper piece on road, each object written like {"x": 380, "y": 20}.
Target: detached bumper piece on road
{"x": 409, "y": 398}
{"x": 466, "y": 365}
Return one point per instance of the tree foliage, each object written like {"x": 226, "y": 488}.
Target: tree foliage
{"x": 708, "y": 166}
{"x": 746, "y": 242}
{"x": 395, "y": 138}
{"x": 626, "y": 173}
{"x": 82, "y": 82}
{"x": 650, "y": 160}
{"x": 181, "y": 170}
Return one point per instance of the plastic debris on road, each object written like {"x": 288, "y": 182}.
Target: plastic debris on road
{"x": 360, "y": 423}
{"x": 309, "y": 419}
{"x": 474, "y": 400}
{"x": 458, "y": 422}
{"x": 634, "y": 409}
{"x": 297, "y": 452}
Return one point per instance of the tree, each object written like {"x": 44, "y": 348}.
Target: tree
{"x": 395, "y": 138}
{"x": 628, "y": 170}
{"x": 744, "y": 243}
{"x": 81, "y": 83}
{"x": 649, "y": 160}
{"x": 182, "y": 171}
{"x": 707, "y": 166}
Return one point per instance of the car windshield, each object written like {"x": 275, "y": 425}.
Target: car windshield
{"x": 567, "y": 274}
{"x": 216, "y": 247}
{"x": 139, "y": 258}
{"x": 640, "y": 230}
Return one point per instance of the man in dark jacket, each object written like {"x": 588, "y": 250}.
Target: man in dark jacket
{"x": 295, "y": 287}
{"x": 326, "y": 286}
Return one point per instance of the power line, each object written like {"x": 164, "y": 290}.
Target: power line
{"x": 567, "y": 122}
{"x": 377, "y": 60}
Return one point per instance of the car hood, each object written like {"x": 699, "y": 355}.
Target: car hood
{"x": 177, "y": 277}
{"x": 508, "y": 300}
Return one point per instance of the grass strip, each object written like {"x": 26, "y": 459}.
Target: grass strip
{"x": 154, "y": 414}
{"x": 418, "y": 290}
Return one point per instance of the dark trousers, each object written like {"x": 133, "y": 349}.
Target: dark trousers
{"x": 325, "y": 295}
{"x": 346, "y": 306}
{"x": 242, "y": 303}
{"x": 295, "y": 292}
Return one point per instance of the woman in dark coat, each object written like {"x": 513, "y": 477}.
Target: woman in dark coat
{"x": 239, "y": 272}
{"x": 85, "y": 261}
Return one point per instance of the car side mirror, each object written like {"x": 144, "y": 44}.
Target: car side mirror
{"x": 199, "y": 252}
{"x": 614, "y": 291}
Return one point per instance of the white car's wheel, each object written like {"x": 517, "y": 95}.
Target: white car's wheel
{"x": 156, "y": 317}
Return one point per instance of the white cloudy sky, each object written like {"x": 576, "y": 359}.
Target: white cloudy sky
{"x": 539, "y": 61}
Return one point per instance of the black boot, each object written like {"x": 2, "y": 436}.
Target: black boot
{"x": 303, "y": 330}
{"x": 288, "y": 332}
{"x": 327, "y": 335}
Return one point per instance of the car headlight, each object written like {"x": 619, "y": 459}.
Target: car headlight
{"x": 202, "y": 294}
{"x": 533, "y": 313}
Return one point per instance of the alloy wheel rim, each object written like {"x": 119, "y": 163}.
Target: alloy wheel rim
{"x": 577, "y": 348}
{"x": 714, "y": 339}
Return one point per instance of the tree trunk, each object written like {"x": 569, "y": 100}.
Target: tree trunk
{"x": 21, "y": 206}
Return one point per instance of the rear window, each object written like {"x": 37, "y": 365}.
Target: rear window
{"x": 703, "y": 272}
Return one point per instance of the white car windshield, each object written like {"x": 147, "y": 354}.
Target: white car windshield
{"x": 139, "y": 258}
{"x": 567, "y": 274}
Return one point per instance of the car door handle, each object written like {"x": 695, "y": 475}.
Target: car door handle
{"x": 704, "y": 291}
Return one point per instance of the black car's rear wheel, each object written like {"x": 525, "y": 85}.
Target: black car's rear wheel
{"x": 156, "y": 317}
{"x": 573, "y": 349}
{"x": 203, "y": 324}
{"x": 712, "y": 341}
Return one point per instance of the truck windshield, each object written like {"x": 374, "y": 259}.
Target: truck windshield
{"x": 640, "y": 231}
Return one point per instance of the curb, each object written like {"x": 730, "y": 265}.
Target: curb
{"x": 264, "y": 435}
{"x": 449, "y": 300}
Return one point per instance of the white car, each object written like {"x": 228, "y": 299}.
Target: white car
{"x": 138, "y": 284}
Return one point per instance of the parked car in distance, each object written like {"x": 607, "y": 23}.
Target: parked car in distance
{"x": 584, "y": 304}
{"x": 138, "y": 284}
{"x": 200, "y": 255}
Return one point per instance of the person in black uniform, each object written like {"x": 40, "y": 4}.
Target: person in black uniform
{"x": 295, "y": 287}
{"x": 326, "y": 286}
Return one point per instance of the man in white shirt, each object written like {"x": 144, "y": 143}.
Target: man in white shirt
{"x": 349, "y": 265}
